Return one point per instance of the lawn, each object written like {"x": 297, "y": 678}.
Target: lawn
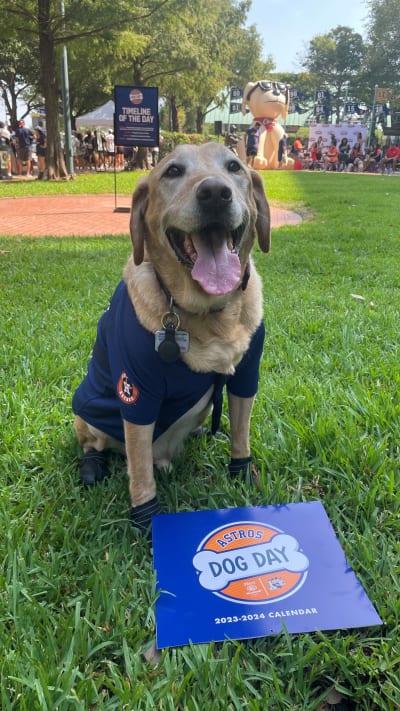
{"x": 77, "y": 586}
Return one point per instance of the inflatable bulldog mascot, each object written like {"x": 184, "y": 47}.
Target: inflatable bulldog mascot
{"x": 267, "y": 100}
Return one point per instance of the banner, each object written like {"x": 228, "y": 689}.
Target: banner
{"x": 297, "y": 94}
{"x": 322, "y": 95}
{"x": 297, "y": 109}
{"x": 352, "y": 108}
{"x": 385, "y": 95}
{"x": 136, "y": 116}
{"x": 382, "y": 94}
{"x": 236, "y": 93}
{"x": 342, "y": 130}
{"x": 321, "y": 110}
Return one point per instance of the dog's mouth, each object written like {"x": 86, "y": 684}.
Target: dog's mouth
{"x": 211, "y": 254}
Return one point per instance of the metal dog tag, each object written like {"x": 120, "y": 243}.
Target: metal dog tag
{"x": 181, "y": 337}
{"x": 169, "y": 342}
{"x": 168, "y": 350}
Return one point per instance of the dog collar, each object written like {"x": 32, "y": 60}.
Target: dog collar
{"x": 171, "y": 300}
{"x": 268, "y": 123}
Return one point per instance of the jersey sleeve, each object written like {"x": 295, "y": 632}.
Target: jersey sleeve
{"x": 244, "y": 382}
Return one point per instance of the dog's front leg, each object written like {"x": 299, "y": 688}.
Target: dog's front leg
{"x": 239, "y": 414}
{"x": 142, "y": 485}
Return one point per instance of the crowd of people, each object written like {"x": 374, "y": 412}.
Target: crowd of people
{"x": 26, "y": 150}
{"x": 322, "y": 155}
{"x": 345, "y": 157}
{"x": 95, "y": 150}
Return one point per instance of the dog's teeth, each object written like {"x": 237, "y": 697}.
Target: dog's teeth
{"x": 189, "y": 249}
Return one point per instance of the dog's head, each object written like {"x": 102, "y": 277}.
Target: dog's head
{"x": 266, "y": 99}
{"x": 195, "y": 218}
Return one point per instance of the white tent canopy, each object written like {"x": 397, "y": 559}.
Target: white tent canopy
{"x": 102, "y": 117}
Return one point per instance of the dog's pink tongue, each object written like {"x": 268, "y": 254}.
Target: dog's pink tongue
{"x": 217, "y": 269}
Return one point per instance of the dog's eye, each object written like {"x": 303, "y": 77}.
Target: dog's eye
{"x": 234, "y": 166}
{"x": 173, "y": 171}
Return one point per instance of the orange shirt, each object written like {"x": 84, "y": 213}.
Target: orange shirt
{"x": 333, "y": 154}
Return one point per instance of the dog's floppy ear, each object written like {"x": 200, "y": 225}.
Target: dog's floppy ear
{"x": 137, "y": 224}
{"x": 263, "y": 221}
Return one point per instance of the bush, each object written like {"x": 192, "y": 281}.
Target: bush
{"x": 171, "y": 139}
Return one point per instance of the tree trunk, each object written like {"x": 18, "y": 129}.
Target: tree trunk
{"x": 49, "y": 71}
{"x": 10, "y": 102}
{"x": 174, "y": 121}
{"x": 137, "y": 73}
{"x": 199, "y": 120}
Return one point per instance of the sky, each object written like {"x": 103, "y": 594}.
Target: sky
{"x": 287, "y": 26}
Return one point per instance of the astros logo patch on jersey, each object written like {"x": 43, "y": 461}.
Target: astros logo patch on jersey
{"x": 250, "y": 563}
{"x": 127, "y": 392}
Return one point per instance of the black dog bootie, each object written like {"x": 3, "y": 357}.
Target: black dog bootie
{"x": 141, "y": 515}
{"x": 93, "y": 467}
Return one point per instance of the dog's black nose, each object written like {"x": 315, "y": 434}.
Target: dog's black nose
{"x": 214, "y": 193}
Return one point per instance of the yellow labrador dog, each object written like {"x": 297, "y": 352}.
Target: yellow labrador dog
{"x": 185, "y": 322}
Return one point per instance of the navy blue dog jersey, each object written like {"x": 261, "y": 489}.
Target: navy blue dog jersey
{"x": 127, "y": 379}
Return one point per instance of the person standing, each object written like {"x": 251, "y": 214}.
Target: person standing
{"x": 100, "y": 143}
{"x": 5, "y": 143}
{"x": 24, "y": 138}
{"x": 155, "y": 151}
{"x": 344, "y": 153}
{"x": 297, "y": 148}
{"x": 360, "y": 141}
{"x": 110, "y": 149}
{"x": 282, "y": 151}
{"x": 320, "y": 148}
{"x": 251, "y": 142}
{"x": 89, "y": 142}
{"x": 232, "y": 139}
{"x": 297, "y": 153}
{"x": 41, "y": 150}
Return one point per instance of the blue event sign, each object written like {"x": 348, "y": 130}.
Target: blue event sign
{"x": 136, "y": 116}
{"x": 252, "y": 572}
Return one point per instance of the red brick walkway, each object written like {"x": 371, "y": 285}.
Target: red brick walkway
{"x": 81, "y": 216}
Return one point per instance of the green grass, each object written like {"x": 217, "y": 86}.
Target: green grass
{"x": 77, "y": 589}
{"x": 85, "y": 183}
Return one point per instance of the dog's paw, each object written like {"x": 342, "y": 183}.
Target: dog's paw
{"x": 245, "y": 469}
{"x": 141, "y": 515}
{"x": 93, "y": 467}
